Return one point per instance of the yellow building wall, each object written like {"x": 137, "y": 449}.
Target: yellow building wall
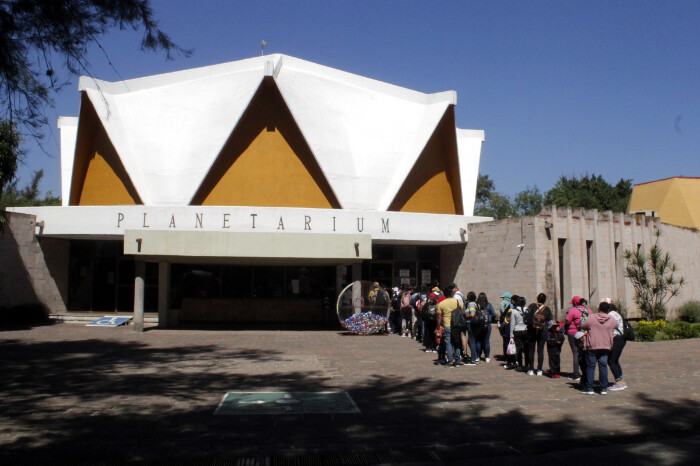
{"x": 432, "y": 186}
{"x": 99, "y": 178}
{"x": 266, "y": 162}
{"x": 675, "y": 200}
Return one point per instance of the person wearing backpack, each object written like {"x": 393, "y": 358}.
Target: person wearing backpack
{"x": 487, "y": 314}
{"x": 504, "y": 324}
{"x": 447, "y": 310}
{"x": 619, "y": 343}
{"x": 429, "y": 313}
{"x": 518, "y": 330}
{"x": 470, "y": 310}
{"x": 416, "y": 300}
{"x": 537, "y": 333}
{"x": 575, "y": 336}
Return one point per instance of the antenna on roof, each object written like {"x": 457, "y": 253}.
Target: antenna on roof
{"x": 262, "y": 48}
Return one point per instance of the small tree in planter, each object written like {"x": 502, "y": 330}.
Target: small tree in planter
{"x": 654, "y": 278}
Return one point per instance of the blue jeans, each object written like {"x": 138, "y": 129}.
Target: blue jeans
{"x": 574, "y": 351}
{"x": 453, "y": 354}
{"x": 483, "y": 343}
{"x": 471, "y": 341}
{"x": 601, "y": 357}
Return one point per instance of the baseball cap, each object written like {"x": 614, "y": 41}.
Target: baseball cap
{"x": 575, "y": 300}
{"x": 506, "y": 295}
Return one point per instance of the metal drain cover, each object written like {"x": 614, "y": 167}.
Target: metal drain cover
{"x": 242, "y": 403}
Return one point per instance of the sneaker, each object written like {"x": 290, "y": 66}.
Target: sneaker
{"x": 618, "y": 386}
{"x": 539, "y": 372}
{"x": 603, "y": 392}
{"x": 587, "y": 391}
{"x": 404, "y": 335}
{"x": 487, "y": 360}
{"x": 575, "y": 378}
{"x": 556, "y": 376}
{"x": 530, "y": 373}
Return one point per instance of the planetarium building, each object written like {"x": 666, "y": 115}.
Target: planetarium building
{"x": 247, "y": 192}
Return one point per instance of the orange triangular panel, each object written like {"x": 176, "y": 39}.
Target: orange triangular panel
{"x": 433, "y": 185}
{"x": 99, "y": 178}
{"x": 266, "y": 161}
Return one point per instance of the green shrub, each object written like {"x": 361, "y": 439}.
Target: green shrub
{"x": 661, "y": 336}
{"x": 645, "y": 330}
{"x": 660, "y": 325}
{"x": 621, "y": 306}
{"x": 689, "y": 312}
{"x": 679, "y": 330}
{"x": 695, "y": 330}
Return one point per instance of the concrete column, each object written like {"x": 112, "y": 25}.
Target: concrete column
{"x": 356, "y": 272}
{"x": 163, "y": 294}
{"x": 139, "y": 294}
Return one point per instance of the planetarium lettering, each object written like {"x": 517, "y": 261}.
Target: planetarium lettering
{"x": 199, "y": 221}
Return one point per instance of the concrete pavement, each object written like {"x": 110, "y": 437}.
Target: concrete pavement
{"x": 72, "y": 393}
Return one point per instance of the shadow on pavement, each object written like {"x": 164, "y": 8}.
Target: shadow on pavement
{"x": 98, "y": 400}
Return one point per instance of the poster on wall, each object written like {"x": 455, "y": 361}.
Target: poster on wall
{"x": 425, "y": 276}
{"x": 405, "y": 280}
{"x": 404, "y": 273}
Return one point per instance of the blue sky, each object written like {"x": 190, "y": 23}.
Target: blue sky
{"x": 561, "y": 88}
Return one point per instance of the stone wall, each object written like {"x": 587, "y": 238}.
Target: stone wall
{"x": 568, "y": 252}
{"x": 28, "y": 267}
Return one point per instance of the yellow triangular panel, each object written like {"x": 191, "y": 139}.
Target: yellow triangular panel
{"x": 433, "y": 185}
{"x": 674, "y": 200}
{"x": 99, "y": 178}
{"x": 266, "y": 162}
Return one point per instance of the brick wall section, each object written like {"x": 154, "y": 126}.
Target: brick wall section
{"x": 26, "y": 277}
{"x": 593, "y": 259}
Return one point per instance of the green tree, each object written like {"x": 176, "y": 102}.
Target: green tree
{"x": 590, "y": 192}
{"x": 27, "y": 196}
{"x": 9, "y": 153}
{"x": 528, "y": 202}
{"x": 36, "y": 35}
{"x": 489, "y": 203}
{"x": 654, "y": 279}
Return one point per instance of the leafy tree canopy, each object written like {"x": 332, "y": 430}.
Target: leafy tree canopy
{"x": 490, "y": 203}
{"x": 590, "y": 192}
{"x": 9, "y": 153}
{"x": 37, "y": 35}
{"x": 27, "y": 196}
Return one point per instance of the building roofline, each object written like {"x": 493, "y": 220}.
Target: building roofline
{"x": 670, "y": 178}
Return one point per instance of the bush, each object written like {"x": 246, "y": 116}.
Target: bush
{"x": 689, "y": 312}
{"x": 679, "y": 330}
{"x": 645, "y": 330}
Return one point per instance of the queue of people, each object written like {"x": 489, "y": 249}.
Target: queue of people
{"x": 458, "y": 329}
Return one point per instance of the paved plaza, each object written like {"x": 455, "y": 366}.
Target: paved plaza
{"x": 76, "y": 394}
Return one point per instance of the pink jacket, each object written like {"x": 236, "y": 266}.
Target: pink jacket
{"x": 573, "y": 320}
{"x": 600, "y": 331}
